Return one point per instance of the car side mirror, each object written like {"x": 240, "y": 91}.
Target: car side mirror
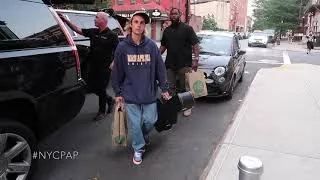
{"x": 241, "y": 52}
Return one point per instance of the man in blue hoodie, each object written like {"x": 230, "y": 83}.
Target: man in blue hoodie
{"x": 137, "y": 72}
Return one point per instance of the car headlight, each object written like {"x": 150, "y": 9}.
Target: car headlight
{"x": 219, "y": 71}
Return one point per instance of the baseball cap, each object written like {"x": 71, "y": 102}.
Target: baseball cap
{"x": 143, "y": 14}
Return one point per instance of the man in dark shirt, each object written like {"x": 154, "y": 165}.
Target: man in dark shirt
{"x": 103, "y": 42}
{"x": 179, "y": 39}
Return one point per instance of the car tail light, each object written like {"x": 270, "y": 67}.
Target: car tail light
{"x": 70, "y": 41}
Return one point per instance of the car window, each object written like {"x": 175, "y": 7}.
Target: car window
{"x": 83, "y": 20}
{"x": 258, "y": 34}
{"x": 86, "y": 21}
{"x": 113, "y": 23}
{"x": 33, "y": 27}
{"x": 220, "y": 45}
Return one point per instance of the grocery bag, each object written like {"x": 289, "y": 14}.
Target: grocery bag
{"x": 119, "y": 128}
{"x": 196, "y": 83}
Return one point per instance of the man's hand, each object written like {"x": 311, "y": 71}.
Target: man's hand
{"x": 70, "y": 24}
{"x": 62, "y": 17}
{"x": 166, "y": 95}
{"x": 111, "y": 66}
{"x": 162, "y": 49}
{"x": 195, "y": 64}
{"x": 120, "y": 102}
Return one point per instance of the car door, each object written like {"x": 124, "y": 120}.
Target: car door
{"x": 240, "y": 60}
{"x": 237, "y": 58}
{"x": 37, "y": 60}
{"x": 234, "y": 56}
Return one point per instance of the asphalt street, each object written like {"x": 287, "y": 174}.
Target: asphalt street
{"x": 299, "y": 57}
{"x": 179, "y": 154}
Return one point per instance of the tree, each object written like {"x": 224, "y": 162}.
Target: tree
{"x": 209, "y": 23}
{"x": 276, "y": 14}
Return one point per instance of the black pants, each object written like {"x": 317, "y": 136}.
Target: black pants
{"x": 104, "y": 98}
{"x": 180, "y": 85}
{"x": 97, "y": 84}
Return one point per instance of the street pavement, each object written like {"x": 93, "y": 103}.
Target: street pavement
{"x": 185, "y": 152}
{"x": 298, "y": 57}
{"x": 300, "y": 46}
{"x": 278, "y": 123}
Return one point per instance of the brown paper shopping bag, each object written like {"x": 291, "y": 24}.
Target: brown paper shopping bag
{"x": 119, "y": 128}
{"x": 196, "y": 83}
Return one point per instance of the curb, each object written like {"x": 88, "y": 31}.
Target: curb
{"x": 222, "y": 151}
{"x": 223, "y": 146}
{"x": 295, "y": 49}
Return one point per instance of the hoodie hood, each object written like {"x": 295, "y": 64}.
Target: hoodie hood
{"x": 129, "y": 41}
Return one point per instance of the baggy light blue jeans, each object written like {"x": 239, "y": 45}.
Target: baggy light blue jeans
{"x": 142, "y": 119}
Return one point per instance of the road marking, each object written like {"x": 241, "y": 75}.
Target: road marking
{"x": 246, "y": 72}
{"x": 264, "y": 62}
{"x": 286, "y": 58}
{"x": 268, "y": 61}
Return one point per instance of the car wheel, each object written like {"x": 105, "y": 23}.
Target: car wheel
{"x": 249, "y": 45}
{"x": 17, "y": 144}
{"x": 232, "y": 86}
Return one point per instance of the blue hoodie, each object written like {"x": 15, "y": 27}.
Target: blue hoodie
{"x": 138, "y": 70}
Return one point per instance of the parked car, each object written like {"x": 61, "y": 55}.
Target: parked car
{"x": 271, "y": 33}
{"x": 85, "y": 19}
{"x": 258, "y": 39}
{"x": 41, "y": 87}
{"x": 222, "y": 61}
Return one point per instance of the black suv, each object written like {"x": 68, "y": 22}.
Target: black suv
{"x": 85, "y": 19}
{"x": 40, "y": 81}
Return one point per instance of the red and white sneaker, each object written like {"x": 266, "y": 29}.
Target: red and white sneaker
{"x": 137, "y": 158}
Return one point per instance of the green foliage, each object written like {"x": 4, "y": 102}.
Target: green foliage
{"x": 209, "y": 23}
{"x": 278, "y": 14}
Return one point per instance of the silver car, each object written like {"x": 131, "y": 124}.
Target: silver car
{"x": 258, "y": 39}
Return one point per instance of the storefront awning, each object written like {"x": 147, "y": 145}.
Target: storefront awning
{"x": 138, "y": 7}
{"x": 154, "y": 10}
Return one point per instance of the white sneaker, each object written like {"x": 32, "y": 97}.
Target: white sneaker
{"x": 187, "y": 112}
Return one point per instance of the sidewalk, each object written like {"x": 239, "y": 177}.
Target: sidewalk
{"x": 279, "y": 123}
{"x": 295, "y": 46}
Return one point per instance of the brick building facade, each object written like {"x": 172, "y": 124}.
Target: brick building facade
{"x": 238, "y": 15}
{"x": 158, "y": 11}
{"x": 229, "y": 14}
{"x": 311, "y": 20}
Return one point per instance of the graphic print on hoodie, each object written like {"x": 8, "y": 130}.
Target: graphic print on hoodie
{"x": 137, "y": 71}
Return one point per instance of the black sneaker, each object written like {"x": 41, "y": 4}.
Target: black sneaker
{"x": 99, "y": 116}
{"x": 110, "y": 106}
{"x": 147, "y": 140}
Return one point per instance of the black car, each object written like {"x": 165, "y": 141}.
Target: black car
{"x": 40, "y": 82}
{"x": 222, "y": 62}
{"x": 85, "y": 19}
